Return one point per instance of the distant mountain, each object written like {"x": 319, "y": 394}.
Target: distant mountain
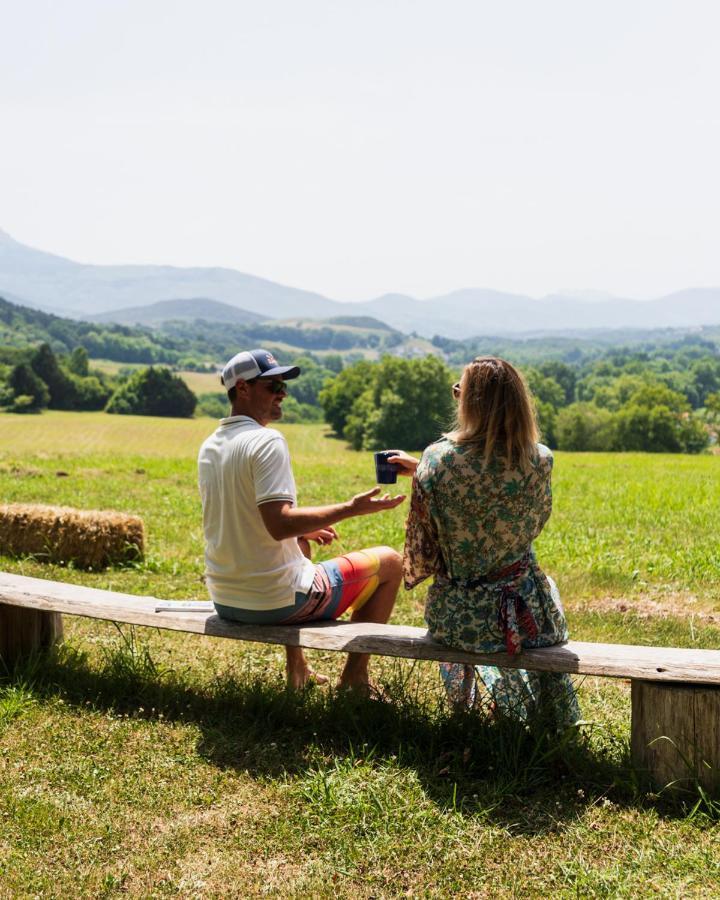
{"x": 71, "y": 288}
{"x": 60, "y": 285}
{"x": 476, "y": 311}
{"x": 359, "y": 322}
{"x": 178, "y": 310}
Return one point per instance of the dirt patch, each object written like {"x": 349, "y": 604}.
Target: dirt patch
{"x": 677, "y": 605}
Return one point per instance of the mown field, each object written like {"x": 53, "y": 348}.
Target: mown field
{"x": 141, "y": 763}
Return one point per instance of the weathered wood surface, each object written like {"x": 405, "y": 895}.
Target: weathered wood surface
{"x": 676, "y": 733}
{"x": 575, "y": 657}
{"x": 25, "y": 631}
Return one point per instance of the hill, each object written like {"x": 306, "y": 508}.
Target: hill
{"x": 190, "y": 341}
{"x": 63, "y": 286}
{"x": 178, "y": 310}
{"x": 68, "y": 287}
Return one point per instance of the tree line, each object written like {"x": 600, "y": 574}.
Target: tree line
{"x": 625, "y": 401}
{"x": 37, "y": 378}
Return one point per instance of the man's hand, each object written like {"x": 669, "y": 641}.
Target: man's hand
{"x": 369, "y": 502}
{"x": 322, "y": 536}
{"x": 314, "y": 523}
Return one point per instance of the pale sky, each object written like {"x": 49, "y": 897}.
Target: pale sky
{"x": 358, "y": 148}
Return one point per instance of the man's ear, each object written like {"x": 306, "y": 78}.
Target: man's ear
{"x": 241, "y": 389}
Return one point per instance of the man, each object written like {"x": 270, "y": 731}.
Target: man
{"x": 257, "y": 550}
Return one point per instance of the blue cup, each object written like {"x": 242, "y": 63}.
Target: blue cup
{"x": 385, "y": 472}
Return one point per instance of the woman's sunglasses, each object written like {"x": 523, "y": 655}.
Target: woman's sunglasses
{"x": 456, "y": 390}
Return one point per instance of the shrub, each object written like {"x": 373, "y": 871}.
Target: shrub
{"x": 215, "y": 406}
{"x": 294, "y": 412}
{"x": 153, "y": 392}
{"x": 583, "y": 426}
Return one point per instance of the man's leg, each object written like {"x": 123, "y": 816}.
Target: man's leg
{"x": 376, "y": 609}
{"x": 297, "y": 667}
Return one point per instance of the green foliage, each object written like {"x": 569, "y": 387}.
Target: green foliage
{"x": 78, "y": 362}
{"x": 215, "y": 406}
{"x": 89, "y": 393}
{"x": 712, "y": 403}
{"x": 333, "y": 362}
{"x": 295, "y": 413}
{"x": 153, "y": 392}
{"x": 60, "y": 385}
{"x": 337, "y": 397}
{"x": 583, "y": 426}
{"x": 406, "y": 405}
{"x": 313, "y": 378}
{"x": 29, "y": 392}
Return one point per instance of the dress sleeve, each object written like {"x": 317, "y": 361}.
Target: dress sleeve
{"x": 422, "y": 556}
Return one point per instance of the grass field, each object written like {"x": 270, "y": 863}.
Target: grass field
{"x": 141, "y": 763}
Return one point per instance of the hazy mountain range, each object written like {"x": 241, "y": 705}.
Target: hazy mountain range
{"x": 123, "y": 293}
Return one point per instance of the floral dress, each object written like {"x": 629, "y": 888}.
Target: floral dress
{"x": 471, "y": 526}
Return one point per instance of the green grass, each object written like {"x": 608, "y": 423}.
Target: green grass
{"x": 144, "y": 763}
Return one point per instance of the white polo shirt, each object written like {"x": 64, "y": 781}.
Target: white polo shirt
{"x": 242, "y": 465}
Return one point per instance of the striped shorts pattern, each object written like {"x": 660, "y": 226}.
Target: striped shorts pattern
{"x": 342, "y": 584}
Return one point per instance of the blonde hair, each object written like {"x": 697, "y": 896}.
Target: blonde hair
{"x": 495, "y": 412}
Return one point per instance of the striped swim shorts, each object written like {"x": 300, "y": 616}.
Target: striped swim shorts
{"x": 340, "y": 584}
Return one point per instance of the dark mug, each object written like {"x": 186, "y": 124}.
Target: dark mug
{"x": 385, "y": 472}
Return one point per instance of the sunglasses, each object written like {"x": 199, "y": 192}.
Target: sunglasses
{"x": 275, "y": 386}
{"x": 456, "y": 390}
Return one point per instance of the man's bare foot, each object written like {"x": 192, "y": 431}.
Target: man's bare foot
{"x": 300, "y": 678}
{"x": 364, "y": 687}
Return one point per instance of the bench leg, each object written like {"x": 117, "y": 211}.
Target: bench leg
{"x": 26, "y": 631}
{"x": 687, "y": 715}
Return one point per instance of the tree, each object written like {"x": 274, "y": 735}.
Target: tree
{"x": 78, "y": 362}
{"x": 712, "y": 403}
{"x": 339, "y": 395}
{"x": 306, "y": 389}
{"x": 153, "y": 392}
{"x": 407, "y": 405}
{"x": 60, "y": 385}
{"x": 30, "y": 393}
{"x": 89, "y": 393}
{"x": 584, "y": 426}
{"x": 333, "y": 362}
{"x": 564, "y": 375}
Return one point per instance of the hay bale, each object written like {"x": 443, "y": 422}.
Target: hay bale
{"x": 88, "y": 538}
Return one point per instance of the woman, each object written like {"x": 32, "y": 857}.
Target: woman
{"x": 481, "y": 495}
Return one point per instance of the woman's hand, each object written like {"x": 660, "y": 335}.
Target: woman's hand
{"x": 406, "y": 464}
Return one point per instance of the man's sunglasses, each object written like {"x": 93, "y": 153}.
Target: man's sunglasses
{"x": 275, "y": 386}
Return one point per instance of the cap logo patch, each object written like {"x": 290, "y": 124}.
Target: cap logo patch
{"x": 271, "y": 359}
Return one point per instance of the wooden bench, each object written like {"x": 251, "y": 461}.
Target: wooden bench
{"x": 675, "y": 693}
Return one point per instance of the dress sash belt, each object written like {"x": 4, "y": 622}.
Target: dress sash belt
{"x": 514, "y": 615}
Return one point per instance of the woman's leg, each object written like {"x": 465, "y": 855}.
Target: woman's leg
{"x": 519, "y": 694}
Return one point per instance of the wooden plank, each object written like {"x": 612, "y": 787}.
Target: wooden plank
{"x": 676, "y": 734}
{"x": 707, "y": 737}
{"x": 575, "y": 657}
{"x": 25, "y": 631}
{"x": 663, "y": 729}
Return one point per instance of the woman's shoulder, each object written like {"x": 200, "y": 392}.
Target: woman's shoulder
{"x": 544, "y": 455}
{"x": 435, "y": 456}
